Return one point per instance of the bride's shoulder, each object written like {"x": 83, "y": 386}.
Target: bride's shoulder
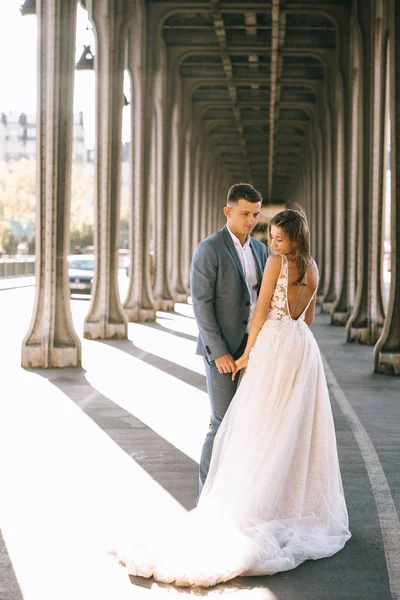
{"x": 312, "y": 270}
{"x": 273, "y": 267}
{"x": 274, "y": 262}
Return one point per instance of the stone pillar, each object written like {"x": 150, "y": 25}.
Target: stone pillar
{"x": 196, "y": 197}
{"x": 377, "y": 312}
{"x": 139, "y": 302}
{"x": 106, "y": 318}
{"x": 341, "y": 309}
{"x": 356, "y": 174}
{"x": 51, "y": 340}
{"x": 313, "y": 198}
{"x": 320, "y": 207}
{"x": 203, "y": 187}
{"x": 185, "y": 219}
{"x": 204, "y": 195}
{"x": 177, "y": 187}
{"x": 210, "y": 201}
{"x": 307, "y": 202}
{"x": 328, "y": 295}
{"x": 162, "y": 292}
{"x": 366, "y": 319}
{"x": 216, "y": 200}
{"x": 387, "y": 349}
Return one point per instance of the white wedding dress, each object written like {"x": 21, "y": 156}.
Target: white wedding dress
{"x": 273, "y": 497}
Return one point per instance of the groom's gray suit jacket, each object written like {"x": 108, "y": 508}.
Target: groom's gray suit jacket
{"x": 220, "y": 296}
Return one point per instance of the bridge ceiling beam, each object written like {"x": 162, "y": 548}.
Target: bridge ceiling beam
{"x": 258, "y": 75}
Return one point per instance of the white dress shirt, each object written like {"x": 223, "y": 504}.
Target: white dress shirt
{"x": 249, "y": 267}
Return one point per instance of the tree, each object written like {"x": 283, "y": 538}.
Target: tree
{"x": 18, "y": 191}
{"x": 18, "y": 205}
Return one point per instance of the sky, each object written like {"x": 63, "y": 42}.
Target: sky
{"x": 18, "y": 67}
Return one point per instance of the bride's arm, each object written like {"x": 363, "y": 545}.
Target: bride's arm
{"x": 314, "y": 276}
{"x": 271, "y": 274}
{"x": 309, "y": 316}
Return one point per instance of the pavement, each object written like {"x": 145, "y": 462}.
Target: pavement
{"x": 92, "y": 456}
{"x": 10, "y": 283}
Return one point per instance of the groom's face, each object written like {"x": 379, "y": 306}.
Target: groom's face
{"x": 242, "y": 216}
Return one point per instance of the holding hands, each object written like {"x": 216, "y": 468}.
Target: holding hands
{"x": 225, "y": 364}
{"x": 240, "y": 363}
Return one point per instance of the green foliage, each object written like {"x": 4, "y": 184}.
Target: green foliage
{"x": 17, "y": 191}
{"x": 7, "y": 241}
{"x": 81, "y": 235}
{"x": 18, "y": 205}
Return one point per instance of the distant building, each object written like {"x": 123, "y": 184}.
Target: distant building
{"x": 18, "y": 137}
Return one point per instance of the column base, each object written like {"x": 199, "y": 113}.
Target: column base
{"x": 388, "y": 364}
{"x": 33, "y": 356}
{"x": 326, "y": 307}
{"x": 181, "y": 297}
{"x": 340, "y": 318}
{"x": 363, "y": 335}
{"x": 164, "y": 304}
{"x": 140, "y": 315}
{"x": 95, "y": 330}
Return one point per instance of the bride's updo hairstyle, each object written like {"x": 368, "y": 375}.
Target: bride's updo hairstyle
{"x": 295, "y": 225}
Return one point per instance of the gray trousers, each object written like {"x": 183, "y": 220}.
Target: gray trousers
{"x": 221, "y": 390}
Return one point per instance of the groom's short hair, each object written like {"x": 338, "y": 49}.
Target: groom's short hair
{"x": 243, "y": 191}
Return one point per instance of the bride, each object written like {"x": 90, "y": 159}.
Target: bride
{"x": 273, "y": 497}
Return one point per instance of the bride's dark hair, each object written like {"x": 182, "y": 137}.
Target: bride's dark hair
{"x": 295, "y": 225}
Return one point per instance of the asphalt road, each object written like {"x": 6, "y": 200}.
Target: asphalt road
{"x": 87, "y": 455}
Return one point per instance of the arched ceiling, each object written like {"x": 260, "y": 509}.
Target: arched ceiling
{"x": 261, "y": 69}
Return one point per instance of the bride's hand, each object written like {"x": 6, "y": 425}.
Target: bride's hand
{"x": 240, "y": 363}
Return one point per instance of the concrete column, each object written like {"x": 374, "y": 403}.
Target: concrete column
{"x": 139, "y": 302}
{"x": 217, "y": 200}
{"x": 203, "y": 185}
{"x": 186, "y": 200}
{"x": 341, "y": 308}
{"x": 355, "y": 160}
{"x": 210, "y": 203}
{"x": 328, "y": 295}
{"x": 320, "y": 207}
{"x": 175, "y": 187}
{"x": 204, "y": 195}
{"x": 338, "y": 209}
{"x": 313, "y": 198}
{"x": 163, "y": 295}
{"x": 196, "y": 197}
{"x": 366, "y": 319}
{"x": 176, "y": 171}
{"x": 223, "y": 190}
{"x": 387, "y": 349}
{"x": 191, "y": 212}
{"x": 307, "y": 203}
{"x": 51, "y": 340}
{"x": 106, "y": 318}
{"x": 377, "y": 312}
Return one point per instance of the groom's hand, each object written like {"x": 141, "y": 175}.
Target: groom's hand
{"x": 225, "y": 364}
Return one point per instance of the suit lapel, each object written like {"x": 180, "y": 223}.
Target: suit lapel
{"x": 231, "y": 247}
{"x": 257, "y": 259}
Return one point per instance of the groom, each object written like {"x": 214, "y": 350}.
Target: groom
{"x": 225, "y": 278}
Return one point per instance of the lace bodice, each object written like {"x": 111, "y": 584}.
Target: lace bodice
{"x": 279, "y": 306}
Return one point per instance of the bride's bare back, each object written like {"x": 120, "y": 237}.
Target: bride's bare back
{"x": 299, "y": 296}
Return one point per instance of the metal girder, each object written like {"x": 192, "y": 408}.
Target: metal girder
{"x": 278, "y": 36}
{"x": 221, "y": 35}
{"x": 292, "y": 78}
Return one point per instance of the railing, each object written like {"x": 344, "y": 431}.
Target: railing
{"x": 17, "y": 266}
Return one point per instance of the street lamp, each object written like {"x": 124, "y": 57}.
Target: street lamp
{"x": 86, "y": 60}
{"x": 28, "y": 8}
